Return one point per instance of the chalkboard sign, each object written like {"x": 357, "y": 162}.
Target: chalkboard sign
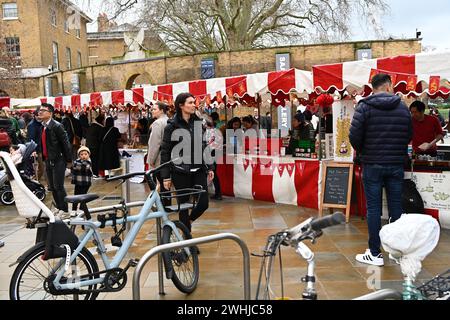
{"x": 336, "y": 186}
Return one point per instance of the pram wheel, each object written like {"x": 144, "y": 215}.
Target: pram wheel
{"x": 7, "y": 197}
{"x": 40, "y": 194}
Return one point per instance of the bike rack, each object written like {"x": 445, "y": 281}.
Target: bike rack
{"x": 382, "y": 295}
{"x": 188, "y": 243}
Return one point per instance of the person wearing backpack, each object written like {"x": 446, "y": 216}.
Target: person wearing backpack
{"x": 7, "y": 136}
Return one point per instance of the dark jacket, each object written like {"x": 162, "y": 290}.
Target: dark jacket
{"x": 167, "y": 145}
{"x": 7, "y": 126}
{"x": 58, "y": 146}
{"x": 34, "y": 131}
{"x": 109, "y": 156}
{"x": 381, "y": 129}
{"x": 69, "y": 122}
{"x": 94, "y": 137}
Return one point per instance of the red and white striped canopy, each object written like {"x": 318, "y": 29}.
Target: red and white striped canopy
{"x": 418, "y": 74}
{"x": 272, "y": 82}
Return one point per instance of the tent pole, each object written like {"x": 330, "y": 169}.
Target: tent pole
{"x": 259, "y": 110}
{"x": 226, "y": 109}
{"x": 129, "y": 123}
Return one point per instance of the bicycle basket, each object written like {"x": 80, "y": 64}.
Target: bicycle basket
{"x": 59, "y": 234}
{"x": 437, "y": 288}
{"x": 186, "y": 198}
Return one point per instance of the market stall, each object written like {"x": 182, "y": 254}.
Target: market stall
{"x": 414, "y": 76}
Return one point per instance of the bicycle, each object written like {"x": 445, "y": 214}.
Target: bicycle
{"x": 60, "y": 265}
{"x": 311, "y": 229}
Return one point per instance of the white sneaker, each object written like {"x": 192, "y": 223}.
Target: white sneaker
{"x": 397, "y": 261}
{"x": 368, "y": 258}
{"x": 63, "y": 215}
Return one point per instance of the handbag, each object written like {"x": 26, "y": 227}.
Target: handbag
{"x": 76, "y": 141}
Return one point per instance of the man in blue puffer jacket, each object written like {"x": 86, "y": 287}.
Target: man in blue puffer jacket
{"x": 380, "y": 132}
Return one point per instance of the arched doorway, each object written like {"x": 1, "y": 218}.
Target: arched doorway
{"x": 137, "y": 79}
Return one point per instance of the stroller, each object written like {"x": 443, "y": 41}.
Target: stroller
{"x": 26, "y": 171}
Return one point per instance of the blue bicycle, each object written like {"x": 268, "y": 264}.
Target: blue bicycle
{"x": 60, "y": 266}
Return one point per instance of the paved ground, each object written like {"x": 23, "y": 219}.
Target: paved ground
{"x": 339, "y": 275}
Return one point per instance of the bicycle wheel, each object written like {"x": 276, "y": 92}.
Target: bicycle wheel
{"x": 184, "y": 269}
{"x": 29, "y": 279}
{"x": 40, "y": 194}
{"x": 7, "y": 197}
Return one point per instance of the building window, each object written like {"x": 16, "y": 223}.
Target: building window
{"x": 10, "y": 10}
{"x": 78, "y": 33}
{"x": 53, "y": 16}
{"x": 55, "y": 56}
{"x": 66, "y": 26}
{"x": 13, "y": 46}
{"x": 80, "y": 62}
{"x": 68, "y": 58}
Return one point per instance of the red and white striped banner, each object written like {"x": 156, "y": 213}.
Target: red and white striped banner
{"x": 209, "y": 89}
{"x": 410, "y": 73}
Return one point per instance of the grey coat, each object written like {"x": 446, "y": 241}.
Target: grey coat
{"x": 155, "y": 141}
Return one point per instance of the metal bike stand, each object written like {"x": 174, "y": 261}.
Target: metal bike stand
{"x": 382, "y": 295}
{"x": 160, "y": 261}
{"x": 188, "y": 243}
{"x": 126, "y": 195}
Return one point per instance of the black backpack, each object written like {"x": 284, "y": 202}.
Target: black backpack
{"x": 411, "y": 199}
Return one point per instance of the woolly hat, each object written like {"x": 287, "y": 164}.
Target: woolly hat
{"x": 83, "y": 148}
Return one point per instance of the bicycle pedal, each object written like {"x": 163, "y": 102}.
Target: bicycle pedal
{"x": 133, "y": 262}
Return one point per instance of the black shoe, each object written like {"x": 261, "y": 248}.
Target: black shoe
{"x": 217, "y": 197}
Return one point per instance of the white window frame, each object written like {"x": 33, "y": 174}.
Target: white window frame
{"x": 4, "y": 5}
{"x": 66, "y": 26}
{"x": 79, "y": 60}
{"x": 55, "y": 55}
{"x": 15, "y": 44}
{"x": 68, "y": 58}
{"x": 53, "y": 17}
{"x": 78, "y": 33}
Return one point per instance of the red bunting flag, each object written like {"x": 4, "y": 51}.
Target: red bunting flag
{"x": 434, "y": 84}
{"x": 281, "y": 167}
{"x": 155, "y": 95}
{"x": 290, "y": 169}
{"x": 246, "y": 164}
{"x": 411, "y": 82}
{"x": 219, "y": 97}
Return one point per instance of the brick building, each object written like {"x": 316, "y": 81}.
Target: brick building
{"x": 45, "y": 36}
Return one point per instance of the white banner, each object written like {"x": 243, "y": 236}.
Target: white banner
{"x": 434, "y": 189}
{"x": 342, "y": 117}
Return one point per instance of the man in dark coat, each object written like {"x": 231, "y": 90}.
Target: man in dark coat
{"x": 380, "y": 132}
{"x": 57, "y": 153}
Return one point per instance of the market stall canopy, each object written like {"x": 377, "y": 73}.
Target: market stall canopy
{"x": 278, "y": 82}
{"x": 10, "y": 102}
{"x": 423, "y": 73}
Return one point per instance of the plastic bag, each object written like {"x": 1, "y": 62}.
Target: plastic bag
{"x": 410, "y": 239}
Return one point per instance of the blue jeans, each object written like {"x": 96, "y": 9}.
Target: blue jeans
{"x": 375, "y": 176}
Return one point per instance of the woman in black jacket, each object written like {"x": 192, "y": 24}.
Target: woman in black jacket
{"x": 192, "y": 170}
{"x": 94, "y": 140}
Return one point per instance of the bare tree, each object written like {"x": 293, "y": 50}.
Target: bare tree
{"x": 10, "y": 66}
{"x": 209, "y": 25}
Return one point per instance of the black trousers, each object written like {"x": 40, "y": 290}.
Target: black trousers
{"x": 94, "y": 161}
{"x": 80, "y": 190}
{"x": 216, "y": 182}
{"x": 181, "y": 181}
{"x": 56, "y": 174}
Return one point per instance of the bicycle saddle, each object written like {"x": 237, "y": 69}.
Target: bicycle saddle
{"x": 81, "y": 198}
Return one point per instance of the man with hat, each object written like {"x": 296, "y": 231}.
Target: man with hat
{"x": 57, "y": 154}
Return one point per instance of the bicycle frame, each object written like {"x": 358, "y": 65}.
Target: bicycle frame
{"x": 92, "y": 231}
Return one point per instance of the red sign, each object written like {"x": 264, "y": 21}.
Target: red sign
{"x": 434, "y": 84}
{"x": 411, "y": 83}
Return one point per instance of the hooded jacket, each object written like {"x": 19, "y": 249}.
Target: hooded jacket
{"x": 381, "y": 129}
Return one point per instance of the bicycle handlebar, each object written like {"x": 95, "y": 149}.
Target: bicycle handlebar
{"x": 316, "y": 224}
{"x": 133, "y": 174}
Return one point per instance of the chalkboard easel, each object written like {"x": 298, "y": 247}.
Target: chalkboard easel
{"x": 336, "y": 187}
